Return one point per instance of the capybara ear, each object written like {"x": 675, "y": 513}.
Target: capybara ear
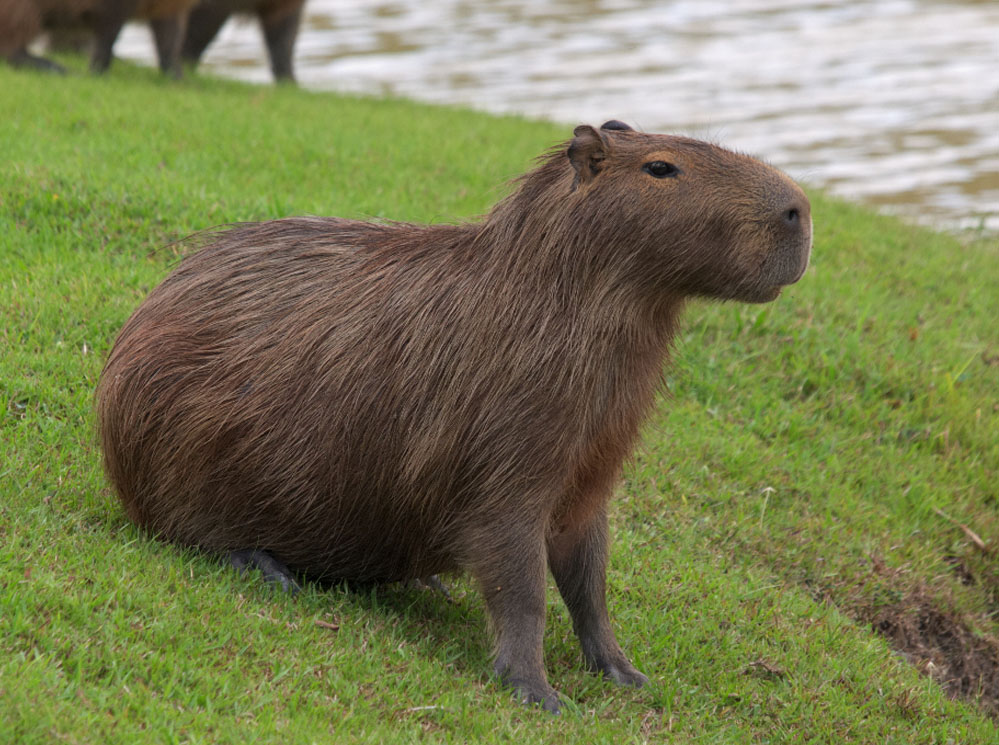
{"x": 616, "y": 126}
{"x": 586, "y": 153}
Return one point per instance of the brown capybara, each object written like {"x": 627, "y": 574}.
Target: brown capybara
{"x": 279, "y": 21}
{"x": 22, "y": 21}
{"x": 380, "y": 402}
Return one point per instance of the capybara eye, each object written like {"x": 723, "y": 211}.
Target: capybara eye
{"x": 660, "y": 169}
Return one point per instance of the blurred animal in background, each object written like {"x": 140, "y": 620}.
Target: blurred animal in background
{"x": 73, "y": 39}
{"x": 23, "y": 21}
{"x": 279, "y": 20}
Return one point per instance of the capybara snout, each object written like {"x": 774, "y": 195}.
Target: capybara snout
{"x": 381, "y": 402}
{"x": 784, "y": 235}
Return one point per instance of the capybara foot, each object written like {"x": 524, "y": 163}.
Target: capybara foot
{"x": 613, "y": 665}
{"x": 433, "y": 583}
{"x": 532, "y": 694}
{"x": 23, "y": 58}
{"x": 273, "y": 570}
{"x": 624, "y": 674}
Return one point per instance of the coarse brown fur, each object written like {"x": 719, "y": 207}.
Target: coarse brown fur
{"x": 381, "y": 402}
{"x": 279, "y": 21}
{"x": 22, "y": 21}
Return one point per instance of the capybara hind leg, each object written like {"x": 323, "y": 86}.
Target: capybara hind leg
{"x": 513, "y": 582}
{"x": 273, "y": 570}
{"x": 578, "y": 561}
{"x": 280, "y": 31}
{"x": 23, "y": 58}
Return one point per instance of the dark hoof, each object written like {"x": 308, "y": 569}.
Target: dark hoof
{"x": 274, "y": 571}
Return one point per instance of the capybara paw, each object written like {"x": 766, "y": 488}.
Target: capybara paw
{"x": 533, "y": 694}
{"x": 275, "y": 573}
{"x": 621, "y": 672}
{"x": 25, "y": 59}
{"x": 628, "y": 676}
{"x": 432, "y": 583}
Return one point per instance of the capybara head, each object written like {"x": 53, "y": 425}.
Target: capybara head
{"x": 699, "y": 219}
{"x": 382, "y": 402}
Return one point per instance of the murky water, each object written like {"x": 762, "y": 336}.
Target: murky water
{"x": 891, "y": 102}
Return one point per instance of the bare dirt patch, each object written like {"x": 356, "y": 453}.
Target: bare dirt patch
{"x": 943, "y": 646}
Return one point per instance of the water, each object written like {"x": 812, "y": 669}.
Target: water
{"x": 894, "y": 103}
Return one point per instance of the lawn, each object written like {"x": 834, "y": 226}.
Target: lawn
{"x": 805, "y": 541}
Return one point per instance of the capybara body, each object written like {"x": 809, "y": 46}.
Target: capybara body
{"x": 381, "y": 402}
{"x": 279, "y": 22}
{"x": 22, "y": 21}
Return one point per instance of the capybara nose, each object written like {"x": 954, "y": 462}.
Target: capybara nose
{"x": 795, "y": 214}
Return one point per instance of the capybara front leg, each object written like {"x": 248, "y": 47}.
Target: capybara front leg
{"x": 273, "y": 570}
{"x": 107, "y": 25}
{"x": 512, "y": 577}
{"x": 203, "y": 24}
{"x": 578, "y": 561}
{"x": 168, "y": 34}
{"x": 280, "y": 30}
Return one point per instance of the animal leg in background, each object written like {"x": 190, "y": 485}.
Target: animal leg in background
{"x": 108, "y": 22}
{"x": 280, "y": 29}
{"x": 168, "y": 33}
{"x": 203, "y": 24}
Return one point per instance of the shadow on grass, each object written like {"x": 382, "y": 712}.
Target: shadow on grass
{"x": 442, "y": 620}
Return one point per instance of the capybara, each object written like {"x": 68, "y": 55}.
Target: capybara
{"x": 279, "y": 21}
{"x": 22, "y": 21}
{"x": 376, "y": 402}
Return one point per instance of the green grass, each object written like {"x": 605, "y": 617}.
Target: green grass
{"x": 788, "y": 493}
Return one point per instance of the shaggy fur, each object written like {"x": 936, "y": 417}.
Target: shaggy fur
{"x": 381, "y": 402}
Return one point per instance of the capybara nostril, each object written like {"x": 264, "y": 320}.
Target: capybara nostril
{"x": 795, "y": 252}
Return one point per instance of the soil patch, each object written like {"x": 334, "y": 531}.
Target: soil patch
{"x": 940, "y": 644}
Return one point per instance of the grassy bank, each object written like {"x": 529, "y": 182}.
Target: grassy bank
{"x": 809, "y": 526}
